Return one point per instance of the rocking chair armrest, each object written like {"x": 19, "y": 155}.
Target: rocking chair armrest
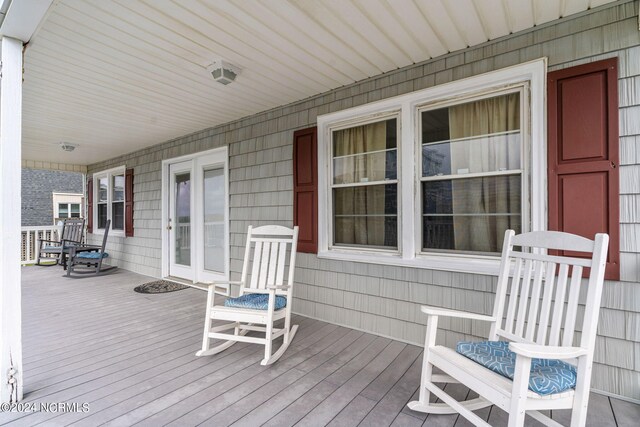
{"x": 50, "y": 241}
{"x": 84, "y": 248}
{"x": 278, "y": 287}
{"x": 218, "y": 287}
{"x": 546, "y": 351}
{"x": 446, "y": 312}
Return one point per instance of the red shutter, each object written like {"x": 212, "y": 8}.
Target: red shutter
{"x": 90, "y": 205}
{"x": 128, "y": 203}
{"x": 583, "y": 154}
{"x": 305, "y": 188}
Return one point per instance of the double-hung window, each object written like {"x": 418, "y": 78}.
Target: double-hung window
{"x": 109, "y": 187}
{"x": 471, "y": 175}
{"x": 364, "y": 185}
{"x": 68, "y": 210}
{"x": 434, "y": 178}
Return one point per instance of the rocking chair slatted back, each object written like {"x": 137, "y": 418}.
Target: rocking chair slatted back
{"x": 73, "y": 230}
{"x": 539, "y": 309}
{"x": 269, "y": 264}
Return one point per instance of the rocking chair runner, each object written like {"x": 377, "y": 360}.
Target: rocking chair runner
{"x": 87, "y": 259}
{"x": 536, "y": 332}
{"x": 265, "y": 299}
{"x": 72, "y": 230}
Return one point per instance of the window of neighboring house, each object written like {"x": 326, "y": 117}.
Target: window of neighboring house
{"x": 68, "y": 210}
{"x": 109, "y": 189}
{"x": 435, "y": 177}
{"x": 67, "y": 205}
{"x": 365, "y": 185}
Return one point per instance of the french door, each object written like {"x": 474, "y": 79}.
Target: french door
{"x": 196, "y": 217}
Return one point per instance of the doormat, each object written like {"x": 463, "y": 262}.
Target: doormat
{"x": 159, "y": 287}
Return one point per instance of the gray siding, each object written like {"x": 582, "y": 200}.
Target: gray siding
{"x": 386, "y": 300}
{"x": 37, "y": 188}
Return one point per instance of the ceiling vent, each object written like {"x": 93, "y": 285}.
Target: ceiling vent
{"x": 223, "y": 72}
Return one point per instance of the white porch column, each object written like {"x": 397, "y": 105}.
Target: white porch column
{"x": 10, "y": 222}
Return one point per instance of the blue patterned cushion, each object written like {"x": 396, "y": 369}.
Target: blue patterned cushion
{"x": 255, "y": 301}
{"x": 91, "y": 255}
{"x": 548, "y": 376}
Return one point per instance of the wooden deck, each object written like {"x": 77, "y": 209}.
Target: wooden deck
{"x": 131, "y": 358}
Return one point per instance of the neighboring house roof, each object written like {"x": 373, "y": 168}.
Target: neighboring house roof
{"x": 38, "y": 187}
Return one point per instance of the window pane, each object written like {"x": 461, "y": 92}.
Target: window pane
{"x": 378, "y": 166}
{"x": 102, "y": 189}
{"x": 118, "y": 188}
{"x": 117, "y": 216}
{"x": 366, "y": 138}
{"x": 498, "y": 114}
{"x": 214, "y": 206}
{"x": 102, "y": 215}
{"x": 365, "y": 153}
{"x": 366, "y": 216}
{"x": 470, "y": 214}
{"x": 75, "y": 210}
{"x": 475, "y": 137}
{"x": 63, "y": 210}
{"x": 182, "y": 217}
{"x": 476, "y": 155}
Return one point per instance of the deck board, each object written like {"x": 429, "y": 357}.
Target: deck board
{"x": 132, "y": 358}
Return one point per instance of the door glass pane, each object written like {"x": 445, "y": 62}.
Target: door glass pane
{"x": 214, "y": 206}
{"x": 182, "y": 216}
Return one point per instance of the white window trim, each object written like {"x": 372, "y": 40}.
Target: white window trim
{"x": 532, "y": 73}
{"x": 109, "y": 173}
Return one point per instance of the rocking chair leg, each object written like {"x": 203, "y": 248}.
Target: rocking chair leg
{"x": 422, "y": 404}
{"x": 520, "y": 388}
{"x": 285, "y": 344}
{"x": 207, "y": 350}
{"x": 269, "y": 342}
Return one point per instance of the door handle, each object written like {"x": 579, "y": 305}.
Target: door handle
{"x": 168, "y": 227}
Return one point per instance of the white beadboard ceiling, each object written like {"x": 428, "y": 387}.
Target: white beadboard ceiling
{"x": 114, "y": 76}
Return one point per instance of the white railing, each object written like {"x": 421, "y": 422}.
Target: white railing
{"x": 30, "y": 239}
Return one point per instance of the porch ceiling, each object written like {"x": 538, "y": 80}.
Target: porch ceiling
{"x": 115, "y": 76}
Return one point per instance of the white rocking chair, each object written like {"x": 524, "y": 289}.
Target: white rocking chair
{"x": 262, "y": 301}
{"x": 539, "y": 323}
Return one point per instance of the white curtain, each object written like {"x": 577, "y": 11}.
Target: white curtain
{"x": 362, "y": 200}
{"x": 485, "y": 154}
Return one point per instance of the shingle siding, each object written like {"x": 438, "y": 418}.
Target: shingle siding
{"x": 384, "y": 299}
{"x": 38, "y": 186}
